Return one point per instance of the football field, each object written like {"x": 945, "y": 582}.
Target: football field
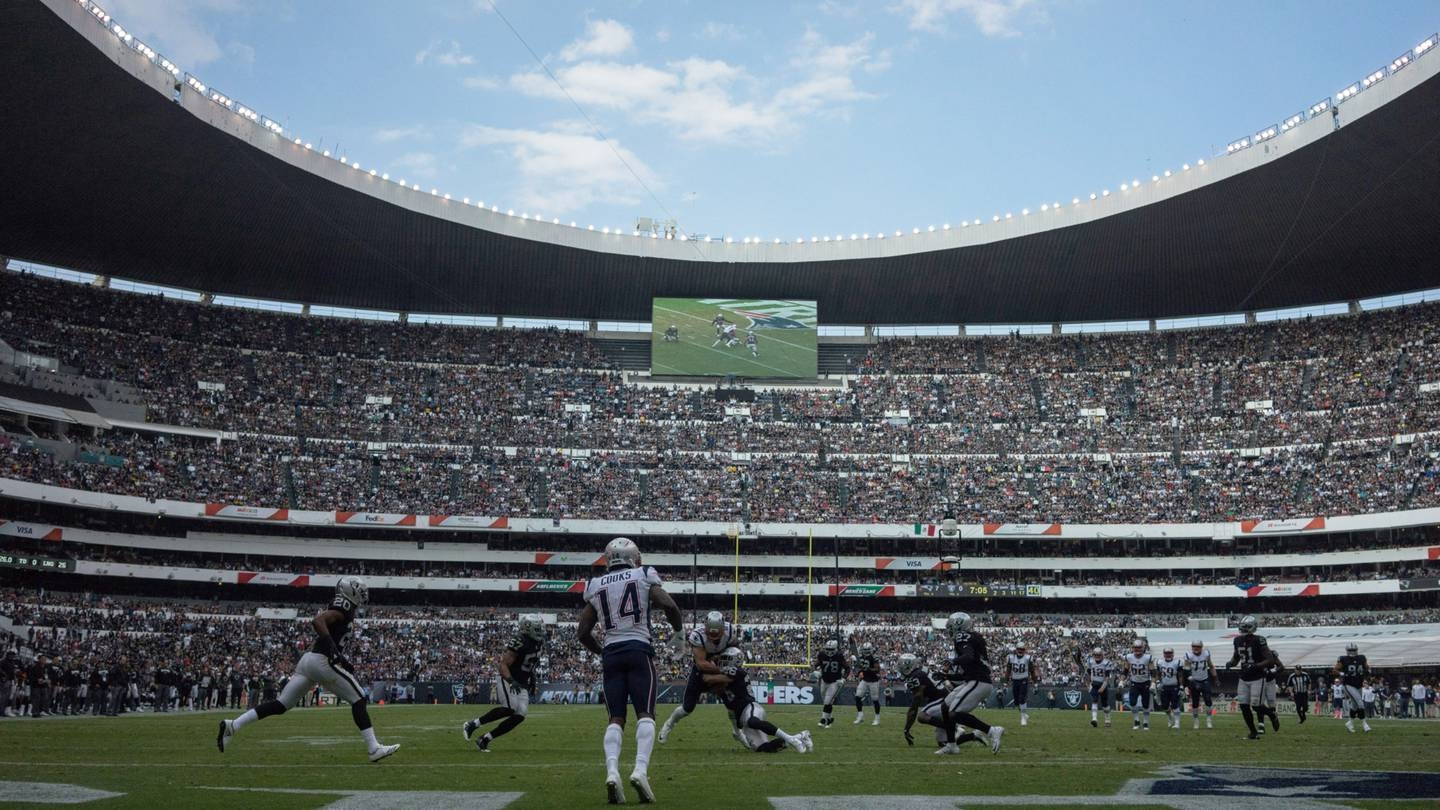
{"x": 784, "y": 337}
{"x": 312, "y": 758}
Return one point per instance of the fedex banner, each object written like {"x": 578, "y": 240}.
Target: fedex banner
{"x": 374, "y": 519}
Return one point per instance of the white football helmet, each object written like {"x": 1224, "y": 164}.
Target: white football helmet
{"x": 622, "y": 553}
{"x": 730, "y": 660}
{"x": 1196, "y": 646}
{"x": 715, "y": 622}
{"x": 867, "y": 648}
{"x": 1098, "y": 653}
{"x": 532, "y": 626}
{"x": 908, "y": 663}
{"x": 354, "y": 589}
{"x": 1248, "y": 625}
{"x": 1352, "y": 648}
{"x": 959, "y": 621}
{"x": 832, "y": 646}
{"x": 1138, "y": 645}
{"x": 1169, "y": 654}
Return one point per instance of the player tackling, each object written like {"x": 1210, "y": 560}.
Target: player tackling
{"x": 706, "y": 643}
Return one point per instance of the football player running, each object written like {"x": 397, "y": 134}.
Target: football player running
{"x": 1353, "y": 668}
{"x": 513, "y": 684}
{"x": 1253, "y": 655}
{"x": 1101, "y": 671}
{"x": 830, "y": 670}
{"x": 1200, "y": 678}
{"x": 971, "y": 678}
{"x": 1020, "y": 667}
{"x": 621, "y": 599}
{"x": 927, "y": 705}
{"x": 756, "y": 733}
{"x": 867, "y": 683}
{"x": 706, "y": 642}
{"x": 326, "y": 665}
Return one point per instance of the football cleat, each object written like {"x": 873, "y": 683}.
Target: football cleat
{"x": 1366, "y": 727}
{"x": 469, "y": 728}
{"x": 1107, "y": 722}
{"x": 1094, "y": 723}
{"x": 858, "y": 720}
{"x": 613, "y": 792}
{"x": 995, "y": 732}
{"x": 1024, "y": 720}
{"x": 1350, "y": 726}
{"x": 383, "y": 752}
{"x": 809, "y": 743}
{"x": 1252, "y": 736}
{"x": 1146, "y": 726}
{"x": 641, "y": 783}
{"x": 664, "y": 733}
{"x": 876, "y": 721}
{"x": 223, "y": 736}
{"x": 483, "y": 744}
{"x": 1209, "y": 723}
{"x": 947, "y": 748}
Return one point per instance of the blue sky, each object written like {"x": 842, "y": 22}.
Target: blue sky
{"x": 770, "y": 120}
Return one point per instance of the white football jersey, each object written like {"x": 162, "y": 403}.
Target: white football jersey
{"x": 1199, "y": 665}
{"x": 1100, "y": 671}
{"x": 621, "y": 598}
{"x": 1169, "y": 671}
{"x": 1139, "y": 667}
{"x": 1019, "y": 666}
{"x": 699, "y": 638}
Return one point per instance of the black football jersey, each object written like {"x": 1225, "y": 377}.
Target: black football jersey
{"x": 527, "y": 655}
{"x": 1251, "y": 650}
{"x": 831, "y": 665}
{"x": 1353, "y": 669}
{"x": 736, "y": 694}
{"x": 869, "y": 667}
{"x": 971, "y": 662}
{"x": 340, "y": 629}
{"x": 922, "y": 686}
{"x": 1298, "y": 682}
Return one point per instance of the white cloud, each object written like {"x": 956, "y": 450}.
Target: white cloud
{"x": 174, "y": 27}
{"x": 994, "y": 18}
{"x": 449, "y": 56}
{"x": 602, "y": 38}
{"x": 402, "y": 134}
{"x": 564, "y": 171}
{"x": 482, "y": 82}
{"x": 417, "y": 164}
{"x": 710, "y": 100}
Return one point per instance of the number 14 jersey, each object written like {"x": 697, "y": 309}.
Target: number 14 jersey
{"x": 621, "y": 599}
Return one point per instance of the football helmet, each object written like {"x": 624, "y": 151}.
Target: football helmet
{"x": 959, "y": 621}
{"x": 1019, "y": 649}
{"x": 1196, "y": 646}
{"x": 908, "y": 662}
{"x": 1352, "y": 648}
{"x": 1169, "y": 654}
{"x": 354, "y": 589}
{"x": 714, "y": 624}
{"x": 730, "y": 660}
{"x": 622, "y": 553}
{"x": 1098, "y": 653}
{"x": 1248, "y": 625}
{"x": 832, "y": 646}
{"x": 1138, "y": 645}
{"x": 532, "y": 626}
{"x": 867, "y": 648}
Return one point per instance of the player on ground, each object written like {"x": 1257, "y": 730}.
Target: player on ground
{"x": 326, "y": 665}
{"x": 1020, "y": 667}
{"x": 1253, "y": 655}
{"x": 752, "y": 343}
{"x": 513, "y": 684}
{"x": 970, "y": 678}
{"x": 754, "y": 731}
{"x": 1299, "y": 685}
{"x": 621, "y": 599}
{"x": 1101, "y": 671}
{"x": 867, "y": 683}
{"x": 1353, "y": 669}
{"x": 1171, "y": 670}
{"x": 927, "y": 705}
{"x": 1139, "y": 664}
{"x": 1200, "y": 678}
{"x": 830, "y": 669}
{"x": 706, "y": 642}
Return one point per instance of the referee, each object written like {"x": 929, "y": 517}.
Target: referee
{"x": 1299, "y": 685}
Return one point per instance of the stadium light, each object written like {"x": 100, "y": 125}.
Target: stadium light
{"x": 607, "y": 230}
{"x": 865, "y": 237}
{"x": 1292, "y": 122}
{"x": 1320, "y": 106}
{"x": 946, "y": 226}
{"x": 1008, "y": 215}
{"x": 897, "y": 233}
{"x": 271, "y": 125}
{"x": 1347, "y": 92}
{"x": 415, "y": 187}
{"x": 932, "y": 229}
{"x": 1074, "y": 200}
{"x": 1266, "y": 134}
{"x": 880, "y": 235}
{"x": 1236, "y": 146}
{"x": 592, "y": 227}
{"x": 556, "y": 221}
{"x": 385, "y": 176}
{"x": 434, "y": 192}
{"x": 372, "y": 174}
{"x": 447, "y": 196}
{"x": 510, "y": 212}
{"x": 1024, "y": 212}
{"x": 1427, "y": 44}
{"x": 355, "y": 165}
{"x": 1124, "y": 186}
{"x": 1104, "y": 192}
{"x": 853, "y": 237}
{"x": 1167, "y": 172}
{"x": 777, "y": 239}
{"x": 1400, "y": 62}
{"x": 1092, "y": 195}
{"x": 728, "y": 240}
{"x": 1373, "y": 78}
{"x": 326, "y": 153}
{"x": 1055, "y": 205}
{"x": 1200, "y": 162}
{"x": 912, "y": 230}
{"x": 1154, "y": 178}
{"x": 822, "y": 239}
{"x": 1044, "y": 207}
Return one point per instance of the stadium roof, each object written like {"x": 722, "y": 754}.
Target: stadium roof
{"x": 115, "y": 167}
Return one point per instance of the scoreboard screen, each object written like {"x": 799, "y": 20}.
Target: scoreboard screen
{"x": 752, "y": 338}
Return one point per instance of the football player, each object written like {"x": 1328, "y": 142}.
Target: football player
{"x": 1269, "y": 696}
{"x": 1200, "y": 677}
{"x": 867, "y": 683}
{"x": 927, "y": 705}
{"x": 719, "y": 323}
{"x": 621, "y": 598}
{"x": 1020, "y": 667}
{"x": 970, "y": 678}
{"x": 1353, "y": 668}
{"x": 830, "y": 670}
{"x": 514, "y": 683}
{"x": 1253, "y": 655}
{"x": 1101, "y": 671}
{"x": 672, "y": 334}
{"x": 706, "y": 642}
{"x": 752, "y": 343}
{"x": 1299, "y": 685}
{"x": 753, "y": 730}
{"x": 324, "y": 664}
{"x": 1170, "y": 669}
{"x": 1139, "y": 664}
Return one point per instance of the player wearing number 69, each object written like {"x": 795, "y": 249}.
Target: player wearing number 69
{"x": 619, "y": 600}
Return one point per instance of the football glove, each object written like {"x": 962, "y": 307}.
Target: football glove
{"x": 909, "y": 738}
{"x": 815, "y": 676}
{"x": 677, "y": 642}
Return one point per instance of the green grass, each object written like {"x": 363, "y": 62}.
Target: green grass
{"x": 783, "y": 352}
{"x": 555, "y": 757}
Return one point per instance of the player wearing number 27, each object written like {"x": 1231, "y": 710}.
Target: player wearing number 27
{"x": 619, "y": 601}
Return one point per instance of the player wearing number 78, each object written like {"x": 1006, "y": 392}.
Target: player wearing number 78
{"x": 619, "y": 600}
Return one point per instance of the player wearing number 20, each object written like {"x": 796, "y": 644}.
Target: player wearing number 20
{"x": 619, "y": 600}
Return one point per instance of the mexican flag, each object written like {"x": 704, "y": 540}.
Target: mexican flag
{"x": 926, "y": 529}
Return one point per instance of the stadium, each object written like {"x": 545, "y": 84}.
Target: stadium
{"x": 243, "y": 379}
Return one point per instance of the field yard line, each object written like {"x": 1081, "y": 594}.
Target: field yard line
{"x": 782, "y": 371}
{"x": 706, "y": 321}
{"x": 354, "y": 799}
